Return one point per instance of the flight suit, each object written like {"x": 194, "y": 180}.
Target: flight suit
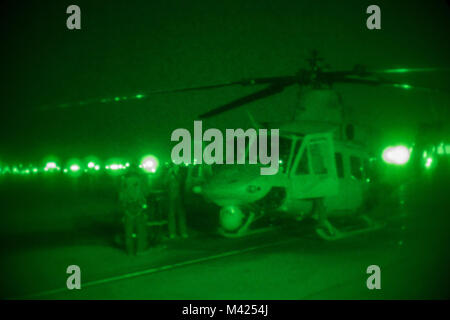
{"x": 133, "y": 202}
{"x": 176, "y": 214}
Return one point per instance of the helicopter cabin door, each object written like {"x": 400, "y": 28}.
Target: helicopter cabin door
{"x": 313, "y": 174}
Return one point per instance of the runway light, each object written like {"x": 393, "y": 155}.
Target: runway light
{"x": 74, "y": 168}
{"x": 51, "y": 166}
{"x": 396, "y": 155}
{"x": 428, "y": 162}
{"x": 149, "y": 163}
{"x": 91, "y": 165}
{"x": 116, "y": 166}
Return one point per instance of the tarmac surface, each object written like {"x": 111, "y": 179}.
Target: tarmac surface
{"x": 286, "y": 262}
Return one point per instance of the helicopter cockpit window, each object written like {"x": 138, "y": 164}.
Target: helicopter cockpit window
{"x": 339, "y": 164}
{"x": 302, "y": 167}
{"x": 284, "y": 152}
{"x": 318, "y": 157}
{"x": 355, "y": 167}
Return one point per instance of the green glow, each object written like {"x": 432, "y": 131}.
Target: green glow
{"x": 116, "y": 99}
{"x": 51, "y": 165}
{"x": 116, "y": 166}
{"x": 447, "y": 149}
{"x": 97, "y": 167}
{"x": 396, "y": 155}
{"x": 403, "y": 86}
{"x": 74, "y": 168}
{"x": 399, "y": 70}
{"x": 428, "y": 162}
{"x": 91, "y": 165}
{"x": 405, "y": 70}
{"x": 139, "y": 96}
{"x": 149, "y": 163}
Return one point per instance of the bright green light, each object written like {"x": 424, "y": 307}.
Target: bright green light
{"x": 74, "y": 168}
{"x": 115, "y": 166}
{"x": 97, "y": 167}
{"x": 396, "y": 155}
{"x": 428, "y": 162}
{"x": 51, "y": 165}
{"x": 139, "y": 96}
{"x": 149, "y": 163}
{"x": 91, "y": 165}
{"x": 399, "y": 70}
{"x": 403, "y": 86}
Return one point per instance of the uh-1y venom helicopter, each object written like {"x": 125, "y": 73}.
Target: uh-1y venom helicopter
{"x": 324, "y": 164}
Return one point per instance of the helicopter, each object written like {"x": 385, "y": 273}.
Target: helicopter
{"x": 325, "y": 165}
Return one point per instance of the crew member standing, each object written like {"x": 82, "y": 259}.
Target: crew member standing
{"x": 176, "y": 215}
{"x": 133, "y": 203}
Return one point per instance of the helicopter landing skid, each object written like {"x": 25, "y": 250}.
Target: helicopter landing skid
{"x": 243, "y": 234}
{"x": 331, "y": 234}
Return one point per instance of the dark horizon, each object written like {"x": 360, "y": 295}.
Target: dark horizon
{"x": 124, "y": 50}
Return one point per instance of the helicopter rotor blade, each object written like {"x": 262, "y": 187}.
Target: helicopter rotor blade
{"x": 381, "y": 82}
{"x": 411, "y": 70}
{"x": 282, "y": 80}
{"x": 245, "y": 82}
{"x": 267, "y": 92}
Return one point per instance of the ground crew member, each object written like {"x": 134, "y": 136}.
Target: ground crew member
{"x": 133, "y": 203}
{"x": 176, "y": 214}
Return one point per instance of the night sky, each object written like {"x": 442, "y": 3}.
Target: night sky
{"x": 128, "y": 47}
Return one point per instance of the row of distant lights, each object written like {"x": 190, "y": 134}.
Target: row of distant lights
{"x": 149, "y": 164}
{"x": 400, "y": 155}
{"x": 427, "y": 155}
